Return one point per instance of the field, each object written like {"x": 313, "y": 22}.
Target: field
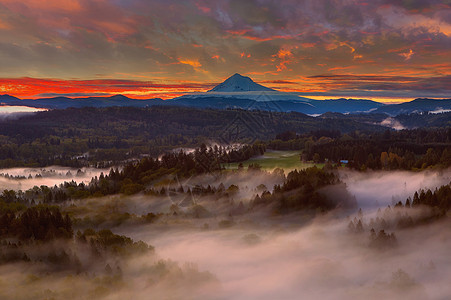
{"x": 286, "y": 160}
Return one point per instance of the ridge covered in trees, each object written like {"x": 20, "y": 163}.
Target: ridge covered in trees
{"x": 388, "y": 150}
{"x": 302, "y": 190}
{"x": 425, "y": 207}
{"x": 78, "y": 137}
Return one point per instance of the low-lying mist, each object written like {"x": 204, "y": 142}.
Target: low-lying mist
{"x": 281, "y": 257}
{"x": 218, "y": 252}
{"x": 26, "y": 178}
{"x": 16, "y": 112}
{"x": 318, "y": 261}
{"x": 382, "y": 188}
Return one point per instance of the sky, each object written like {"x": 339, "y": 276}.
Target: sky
{"x": 375, "y": 49}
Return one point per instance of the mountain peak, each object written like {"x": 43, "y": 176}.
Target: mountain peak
{"x": 8, "y": 99}
{"x": 8, "y": 96}
{"x": 119, "y": 97}
{"x": 239, "y": 83}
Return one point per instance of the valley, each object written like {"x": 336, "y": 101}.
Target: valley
{"x": 286, "y": 160}
{"x": 296, "y": 209}
{"x": 225, "y": 150}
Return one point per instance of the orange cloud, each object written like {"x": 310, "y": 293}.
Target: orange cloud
{"x": 238, "y": 32}
{"x": 265, "y": 39}
{"x": 192, "y": 62}
{"x": 407, "y": 55}
{"x": 308, "y": 45}
{"x": 244, "y": 33}
{"x": 114, "y": 27}
{"x": 341, "y": 68}
{"x": 285, "y": 55}
{"x": 36, "y": 88}
{"x": 48, "y": 5}
{"x": 4, "y": 25}
{"x": 202, "y": 8}
{"x": 81, "y": 38}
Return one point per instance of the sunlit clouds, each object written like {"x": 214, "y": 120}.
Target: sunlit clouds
{"x": 171, "y": 47}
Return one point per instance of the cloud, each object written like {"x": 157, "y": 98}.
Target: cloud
{"x": 375, "y": 189}
{"x": 193, "y": 63}
{"x": 380, "y": 85}
{"x": 50, "y": 95}
{"x": 278, "y": 82}
{"x": 36, "y": 87}
{"x": 393, "y": 123}
{"x": 104, "y": 39}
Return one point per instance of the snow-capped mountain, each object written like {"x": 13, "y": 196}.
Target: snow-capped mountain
{"x": 239, "y": 83}
{"x": 242, "y": 92}
{"x": 242, "y": 87}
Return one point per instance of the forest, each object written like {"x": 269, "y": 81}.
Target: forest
{"x": 389, "y": 150}
{"x": 104, "y": 137}
{"x": 175, "y": 206}
{"x": 78, "y": 137}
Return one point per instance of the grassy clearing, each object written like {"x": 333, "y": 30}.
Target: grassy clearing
{"x": 287, "y": 160}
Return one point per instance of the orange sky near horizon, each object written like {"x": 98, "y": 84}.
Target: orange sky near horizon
{"x": 322, "y": 49}
{"x": 32, "y": 88}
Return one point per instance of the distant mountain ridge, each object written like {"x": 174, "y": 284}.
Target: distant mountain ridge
{"x": 242, "y": 92}
{"x": 312, "y": 107}
{"x": 65, "y": 102}
{"x": 416, "y": 106}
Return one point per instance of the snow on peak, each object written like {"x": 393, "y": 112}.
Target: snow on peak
{"x": 239, "y": 83}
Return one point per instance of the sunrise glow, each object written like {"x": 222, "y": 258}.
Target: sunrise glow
{"x": 392, "y": 51}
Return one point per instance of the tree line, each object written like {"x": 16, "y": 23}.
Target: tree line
{"x": 78, "y": 137}
{"x": 389, "y": 150}
{"x": 134, "y": 176}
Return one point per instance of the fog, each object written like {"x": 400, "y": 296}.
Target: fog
{"x": 256, "y": 254}
{"x": 318, "y": 261}
{"x": 26, "y": 178}
{"x": 439, "y": 111}
{"x": 279, "y": 257}
{"x": 140, "y": 277}
{"x": 188, "y": 203}
{"x": 15, "y": 112}
{"x": 392, "y": 123}
{"x": 382, "y": 188}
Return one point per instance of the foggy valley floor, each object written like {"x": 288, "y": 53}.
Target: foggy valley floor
{"x": 336, "y": 212}
{"x": 204, "y": 247}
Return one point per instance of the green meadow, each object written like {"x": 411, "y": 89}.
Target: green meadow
{"x": 287, "y": 160}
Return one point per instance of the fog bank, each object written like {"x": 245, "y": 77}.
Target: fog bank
{"x": 26, "y": 178}
{"x": 382, "y": 188}
{"x": 318, "y": 261}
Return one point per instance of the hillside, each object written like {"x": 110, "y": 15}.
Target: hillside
{"x": 416, "y": 106}
{"x": 120, "y": 133}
